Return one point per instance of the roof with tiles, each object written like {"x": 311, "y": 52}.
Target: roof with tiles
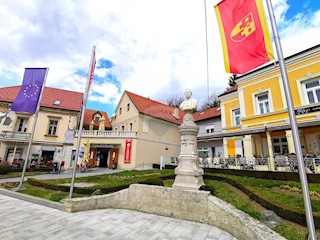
{"x": 89, "y": 116}
{"x": 155, "y": 109}
{"x": 206, "y": 114}
{"x": 229, "y": 90}
{"x": 69, "y": 100}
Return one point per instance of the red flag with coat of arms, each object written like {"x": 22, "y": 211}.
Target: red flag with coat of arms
{"x": 244, "y": 35}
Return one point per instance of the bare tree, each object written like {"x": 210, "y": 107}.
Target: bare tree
{"x": 232, "y": 80}
{"x": 175, "y": 101}
{"x": 211, "y": 102}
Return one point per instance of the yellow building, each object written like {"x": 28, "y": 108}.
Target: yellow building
{"x": 254, "y": 113}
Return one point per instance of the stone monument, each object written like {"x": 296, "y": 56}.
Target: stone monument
{"x": 189, "y": 176}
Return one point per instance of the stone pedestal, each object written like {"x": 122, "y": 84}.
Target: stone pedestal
{"x": 189, "y": 176}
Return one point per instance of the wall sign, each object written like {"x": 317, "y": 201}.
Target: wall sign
{"x": 307, "y": 110}
{"x": 127, "y": 151}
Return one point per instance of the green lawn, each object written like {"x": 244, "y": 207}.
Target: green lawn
{"x": 271, "y": 190}
{"x": 18, "y": 174}
{"x": 116, "y": 179}
{"x": 48, "y": 194}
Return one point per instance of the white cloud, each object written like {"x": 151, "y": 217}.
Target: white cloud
{"x": 106, "y": 92}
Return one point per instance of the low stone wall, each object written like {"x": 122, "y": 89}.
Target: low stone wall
{"x": 198, "y": 206}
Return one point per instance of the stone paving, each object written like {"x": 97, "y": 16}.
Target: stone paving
{"x": 24, "y": 220}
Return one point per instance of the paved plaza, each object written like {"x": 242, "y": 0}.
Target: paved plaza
{"x": 24, "y": 220}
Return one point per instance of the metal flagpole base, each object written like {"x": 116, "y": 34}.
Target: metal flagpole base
{"x": 18, "y": 188}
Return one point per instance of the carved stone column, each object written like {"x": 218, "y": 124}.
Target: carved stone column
{"x": 189, "y": 176}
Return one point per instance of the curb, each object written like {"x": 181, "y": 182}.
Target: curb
{"x": 35, "y": 200}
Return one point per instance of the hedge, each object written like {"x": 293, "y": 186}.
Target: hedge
{"x": 282, "y": 211}
{"x": 89, "y": 191}
{"x": 4, "y": 169}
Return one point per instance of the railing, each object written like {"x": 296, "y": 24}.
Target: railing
{"x": 15, "y": 135}
{"x": 281, "y": 163}
{"x": 106, "y": 134}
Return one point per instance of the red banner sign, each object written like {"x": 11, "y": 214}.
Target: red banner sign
{"x": 127, "y": 151}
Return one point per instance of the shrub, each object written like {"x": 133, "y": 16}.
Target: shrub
{"x": 167, "y": 177}
{"x": 63, "y": 188}
{"x": 207, "y": 188}
{"x": 153, "y": 181}
{"x": 4, "y": 169}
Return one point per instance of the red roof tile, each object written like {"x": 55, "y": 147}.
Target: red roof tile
{"x": 155, "y": 109}
{"x": 88, "y": 117}
{"x": 69, "y": 100}
{"x": 206, "y": 114}
{"x": 229, "y": 90}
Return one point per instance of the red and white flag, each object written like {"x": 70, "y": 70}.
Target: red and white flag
{"x": 92, "y": 66}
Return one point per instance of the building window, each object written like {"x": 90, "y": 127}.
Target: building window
{"x": 236, "y": 117}
{"x": 57, "y": 102}
{"x": 97, "y": 119}
{"x": 280, "y": 146}
{"x": 130, "y": 127}
{"x": 120, "y": 111}
{"x": 53, "y": 127}
{"x": 203, "y": 152}
{"x": 10, "y": 152}
{"x": 313, "y": 91}
{"x": 145, "y": 128}
{"x": 22, "y": 125}
{"x": 209, "y": 129}
{"x": 73, "y": 158}
{"x": 122, "y": 128}
{"x": 263, "y": 103}
{"x": 128, "y": 106}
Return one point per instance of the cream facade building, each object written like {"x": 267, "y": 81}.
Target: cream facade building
{"x": 143, "y": 130}
{"x": 54, "y": 132}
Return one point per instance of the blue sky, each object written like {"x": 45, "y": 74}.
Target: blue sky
{"x": 153, "y": 48}
{"x": 298, "y": 6}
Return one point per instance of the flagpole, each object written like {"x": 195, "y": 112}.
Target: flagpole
{"x": 206, "y": 26}
{"x": 294, "y": 127}
{"x": 83, "y": 108}
{"x": 19, "y": 187}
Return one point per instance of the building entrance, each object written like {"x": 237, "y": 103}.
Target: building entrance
{"x": 103, "y": 157}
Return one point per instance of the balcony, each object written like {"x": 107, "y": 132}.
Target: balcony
{"x": 106, "y": 134}
{"x": 14, "y": 136}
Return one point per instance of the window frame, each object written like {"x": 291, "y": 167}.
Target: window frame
{"x": 257, "y": 102}
{"x": 313, "y": 90}
{"x": 280, "y": 143}
{"x": 236, "y": 116}
{"x": 52, "y": 130}
{"x": 22, "y": 126}
{"x": 209, "y": 128}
